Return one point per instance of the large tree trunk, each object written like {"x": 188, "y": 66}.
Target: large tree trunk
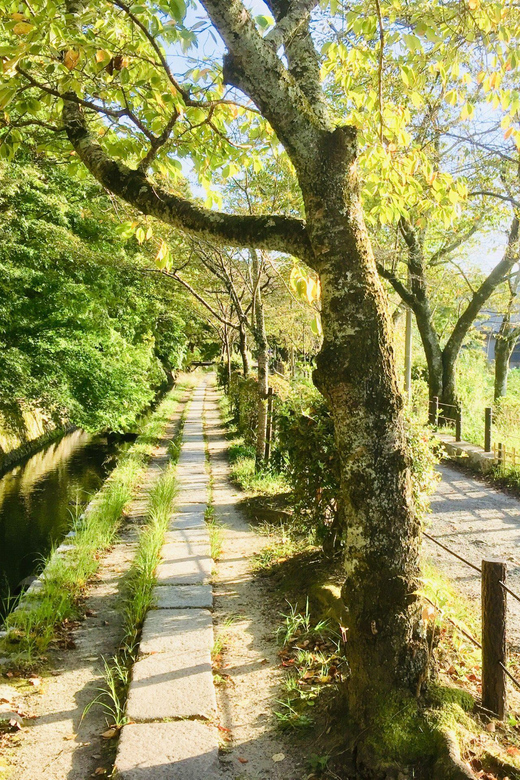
{"x": 355, "y": 371}
{"x": 262, "y": 350}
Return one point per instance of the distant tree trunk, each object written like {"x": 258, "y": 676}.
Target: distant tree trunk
{"x": 442, "y": 363}
{"x": 504, "y": 346}
{"x": 262, "y": 359}
{"x": 242, "y": 346}
{"x": 227, "y": 356}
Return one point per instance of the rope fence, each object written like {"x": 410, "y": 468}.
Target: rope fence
{"x": 493, "y": 645}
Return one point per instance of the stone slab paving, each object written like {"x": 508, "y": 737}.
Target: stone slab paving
{"x": 171, "y": 699}
{"x": 183, "y": 596}
{"x": 182, "y": 750}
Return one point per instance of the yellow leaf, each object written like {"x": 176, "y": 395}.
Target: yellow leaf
{"x": 149, "y": 233}
{"x": 102, "y": 56}
{"x": 473, "y": 4}
{"x": 22, "y": 28}
{"x": 295, "y": 277}
{"x": 310, "y": 291}
{"x": 163, "y": 255}
{"x": 316, "y": 325}
{"x": 19, "y": 17}
{"x": 70, "y": 60}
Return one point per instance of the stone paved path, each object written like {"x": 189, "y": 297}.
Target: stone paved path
{"x": 476, "y": 521}
{"x": 171, "y": 700}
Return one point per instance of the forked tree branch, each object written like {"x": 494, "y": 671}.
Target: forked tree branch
{"x": 297, "y": 15}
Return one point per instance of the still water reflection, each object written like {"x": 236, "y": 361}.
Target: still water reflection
{"x": 39, "y": 497}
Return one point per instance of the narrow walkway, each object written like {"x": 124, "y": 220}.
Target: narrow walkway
{"x": 171, "y": 702}
{"x": 476, "y": 521}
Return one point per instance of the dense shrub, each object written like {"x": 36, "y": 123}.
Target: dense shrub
{"x": 243, "y": 398}
{"x": 306, "y": 451}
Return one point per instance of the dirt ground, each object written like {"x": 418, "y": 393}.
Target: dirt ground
{"x": 476, "y": 521}
{"x": 246, "y": 618}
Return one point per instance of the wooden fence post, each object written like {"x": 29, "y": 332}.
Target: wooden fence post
{"x": 488, "y": 423}
{"x": 494, "y": 649}
{"x": 269, "y": 430}
{"x": 458, "y": 423}
{"x": 434, "y": 410}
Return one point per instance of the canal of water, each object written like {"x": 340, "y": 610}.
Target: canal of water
{"x": 40, "y": 497}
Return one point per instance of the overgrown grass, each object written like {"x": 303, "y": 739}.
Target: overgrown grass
{"x": 139, "y": 587}
{"x": 141, "y": 578}
{"x": 312, "y": 653}
{"x": 32, "y": 626}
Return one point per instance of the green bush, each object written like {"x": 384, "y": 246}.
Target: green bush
{"x": 305, "y": 450}
{"x": 243, "y": 398}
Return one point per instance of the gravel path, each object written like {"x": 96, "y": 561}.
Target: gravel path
{"x": 476, "y": 521}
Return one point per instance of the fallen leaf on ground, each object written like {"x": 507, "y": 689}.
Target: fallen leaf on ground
{"x": 278, "y": 757}
{"x": 109, "y": 733}
{"x": 243, "y": 760}
{"x": 100, "y": 771}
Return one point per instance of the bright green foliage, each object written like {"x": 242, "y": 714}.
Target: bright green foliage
{"x": 84, "y": 333}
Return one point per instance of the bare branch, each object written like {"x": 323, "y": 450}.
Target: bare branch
{"x": 446, "y": 250}
{"x": 159, "y": 141}
{"x": 498, "y": 195}
{"x": 196, "y": 295}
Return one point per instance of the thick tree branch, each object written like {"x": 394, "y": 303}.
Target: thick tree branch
{"x": 303, "y": 61}
{"x": 277, "y": 233}
{"x": 253, "y": 66}
{"x": 298, "y": 14}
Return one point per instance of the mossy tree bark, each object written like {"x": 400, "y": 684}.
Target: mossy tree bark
{"x": 356, "y": 373}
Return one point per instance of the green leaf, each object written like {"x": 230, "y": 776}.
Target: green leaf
{"x": 177, "y": 9}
